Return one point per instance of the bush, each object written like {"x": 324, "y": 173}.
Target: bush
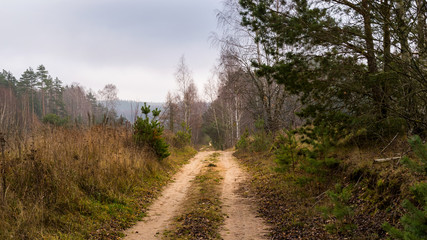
{"x": 286, "y": 150}
{"x": 243, "y": 142}
{"x": 54, "y": 120}
{"x": 317, "y": 158}
{"x": 340, "y": 210}
{"x": 262, "y": 142}
{"x": 414, "y": 222}
{"x": 149, "y": 133}
{"x": 182, "y": 138}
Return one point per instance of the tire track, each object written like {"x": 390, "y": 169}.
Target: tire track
{"x": 162, "y": 211}
{"x": 242, "y": 221}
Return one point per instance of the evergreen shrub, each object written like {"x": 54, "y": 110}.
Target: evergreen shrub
{"x": 182, "y": 138}
{"x": 243, "y": 142}
{"x": 340, "y": 210}
{"x": 262, "y": 140}
{"x": 286, "y": 150}
{"x": 54, "y": 120}
{"x": 149, "y": 133}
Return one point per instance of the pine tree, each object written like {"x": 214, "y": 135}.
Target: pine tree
{"x": 43, "y": 81}
{"x": 337, "y": 57}
{"x": 58, "y": 101}
{"x": 26, "y": 85}
{"x": 149, "y": 133}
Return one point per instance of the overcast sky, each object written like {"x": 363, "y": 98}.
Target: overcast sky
{"x": 134, "y": 44}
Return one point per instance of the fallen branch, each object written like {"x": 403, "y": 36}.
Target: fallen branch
{"x": 386, "y": 159}
{"x": 389, "y": 143}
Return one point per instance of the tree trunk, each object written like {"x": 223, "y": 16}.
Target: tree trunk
{"x": 407, "y": 84}
{"x": 43, "y": 106}
{"x": 371, "y": 59}
{"x": 236, "y": 118}
{"x": 171, "y": 117}
{"x": 386, "y": 37}
{"x": 421, "y": 26}
{"x": 32, "y": 102}
{"x": 387, "y": 54}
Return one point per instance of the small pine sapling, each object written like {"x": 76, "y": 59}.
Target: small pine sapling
{"x": 340, "y": 210}
{"x": 149, "y": 133}
{"x": 183, "y": 138}
{"x": 262, "y": 140}
{"x": 286, "y": 150}
{"x": 243, "y": 142}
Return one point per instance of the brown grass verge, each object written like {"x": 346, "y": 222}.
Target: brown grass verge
{"x": 80, "y": 184}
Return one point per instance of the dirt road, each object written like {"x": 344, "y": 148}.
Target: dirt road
{"x": 241, "y": 222}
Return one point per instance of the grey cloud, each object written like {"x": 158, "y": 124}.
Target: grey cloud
{"x": 107, "y": 34}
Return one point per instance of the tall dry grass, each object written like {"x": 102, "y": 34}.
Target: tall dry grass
{"x": 72, "y": 183}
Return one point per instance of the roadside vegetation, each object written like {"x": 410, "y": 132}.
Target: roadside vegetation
{"x": 323, "y": 190}
{"x": 202, "y": 215}
{"x": 80, "y": 183}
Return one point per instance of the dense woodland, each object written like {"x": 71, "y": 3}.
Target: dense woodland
{"x": 37, "y": 97}
{"x": 354, "y": 67}
{"x": 313, "y": 94}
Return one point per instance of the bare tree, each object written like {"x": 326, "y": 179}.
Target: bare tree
{"x": 109, "y": 97}
{"x": 186, "y": 88}
{"x": 197, "y": 108}
{"x": 77, "y": 105}
{"x": 170, "y": 112}
{"x": 266, "y": 99}
{"x": 211, "y": 94}
{"x": 185, "y": 107}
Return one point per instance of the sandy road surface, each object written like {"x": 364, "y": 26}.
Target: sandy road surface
{"x": 241, "y": 222}
{"x": 162, "y": 211}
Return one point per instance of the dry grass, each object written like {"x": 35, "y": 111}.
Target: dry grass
{"x": 79, "y": 184}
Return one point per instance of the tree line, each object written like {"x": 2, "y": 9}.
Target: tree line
{"x": 37, "y": 97}
{"x": 355, "y": 67}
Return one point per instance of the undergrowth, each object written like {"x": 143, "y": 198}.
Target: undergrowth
{"x": 79, "y": 183}
{"x": 318, "y": 189}
{"x": 284, "y": 198}
{"x": 414, "y": 222}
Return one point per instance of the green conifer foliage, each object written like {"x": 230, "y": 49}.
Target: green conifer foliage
{"x": 414, "y": 222}
{"x": 55, "y": 120}
{"x": 340, "y": 210}
{"x": 286, "y": 148}
{"x": 149, "y": 133}
{"x": 182, "y": 137}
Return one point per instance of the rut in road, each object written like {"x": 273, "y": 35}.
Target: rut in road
{"x": 241, "y": 222}
{"x": 162, "y": 211}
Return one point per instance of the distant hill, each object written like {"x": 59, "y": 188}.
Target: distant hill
{"x": 128, "y": 108}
